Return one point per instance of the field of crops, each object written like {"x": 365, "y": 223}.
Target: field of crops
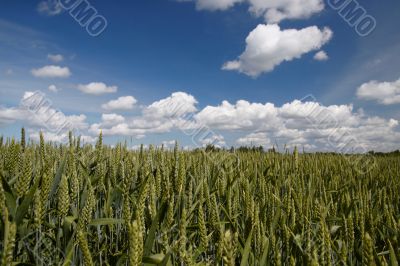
{"x": 97, "y": 205}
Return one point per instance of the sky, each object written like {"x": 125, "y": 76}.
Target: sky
{"x": 319, "y": 75}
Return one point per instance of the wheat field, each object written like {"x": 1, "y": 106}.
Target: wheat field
{"x": 79, "y": 204}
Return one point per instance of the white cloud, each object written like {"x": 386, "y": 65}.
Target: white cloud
{"x": 88, "y": 139}
{"x": 273, "y": 11}
{"x": 97, "y": 88}
{"x": 178, "y": 104}
{"x": 267, "y": 46}
{"x": 51, "y": 72}
{"x": 10, "y": 115}
{"x": 133, "y": 126}
{"x": 53, "y": 88}
{"x": 216, "y": 4}
{"x": 214, "y": 139}
{"x": 308, "y": 124}
{"x": 255, "y": 139}
{"x": 48, "y": 136}
{"x": 246, "y": 116}
{"x": 304, "y": 124}
{"x": 386, "y": 93}
{"x": 78, "y": 121}
{"x": 60, "y": 138}
{"x": 122, "y": 129}
{"x": 112, "y": 119}
{"x": 159, "y": 117}
{"x": 37, "y": 113}
{"x": 321, "y": 56}
{"x": 50, "y": 7}
{"x": 137, "y": 147}
{"x": 122, "y": 103}
{"x": 169, "y": 143}
{"x": 56, "y": 58}
{"x": 242, "y": 115}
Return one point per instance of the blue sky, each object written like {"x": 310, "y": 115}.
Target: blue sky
{"x": 159, "y": 53}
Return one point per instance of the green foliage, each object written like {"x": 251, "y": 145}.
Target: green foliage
{"x": 98, "y": 205}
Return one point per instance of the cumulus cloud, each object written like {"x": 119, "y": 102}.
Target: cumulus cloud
{"x": 271, "y": 10}
{"x": 122, "y": 103}
{"x": 50, "y": 7}
{"x": 168, "y": 143}
{"x": 178, "y": 104}
{"x": 56, "y": 58}
{"x": 242, "y": 115}
{"x": 214, "y": 139}
{"x": 275, "y": 11}
{"x": 112, "y": 119}
{"x": 38, "y": 111}
{"x": 308, "y": 124}
{"x": 97, "y": 88}
{"x": 386, "y": 93}
{"x": 321, "y": 56}
{"x": 53, "y": 88}
{"x": 60, "y": 138}
{"x": 159, "y": 117}
{"x": 216, "y": 4}
{"x": 255, "y": 139}
{"x": 267, "y": 46}
{"x": 138, "y": 147}
{"x": 122, "y": 129}
{"x": 51, "y": 72}
{"x": 38, "y": 114}
{"x": 304, "y": 124}
{"x": 10, "y": 115}
{"x": 133, "y": 126}
{"x": 246, "y": 116}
